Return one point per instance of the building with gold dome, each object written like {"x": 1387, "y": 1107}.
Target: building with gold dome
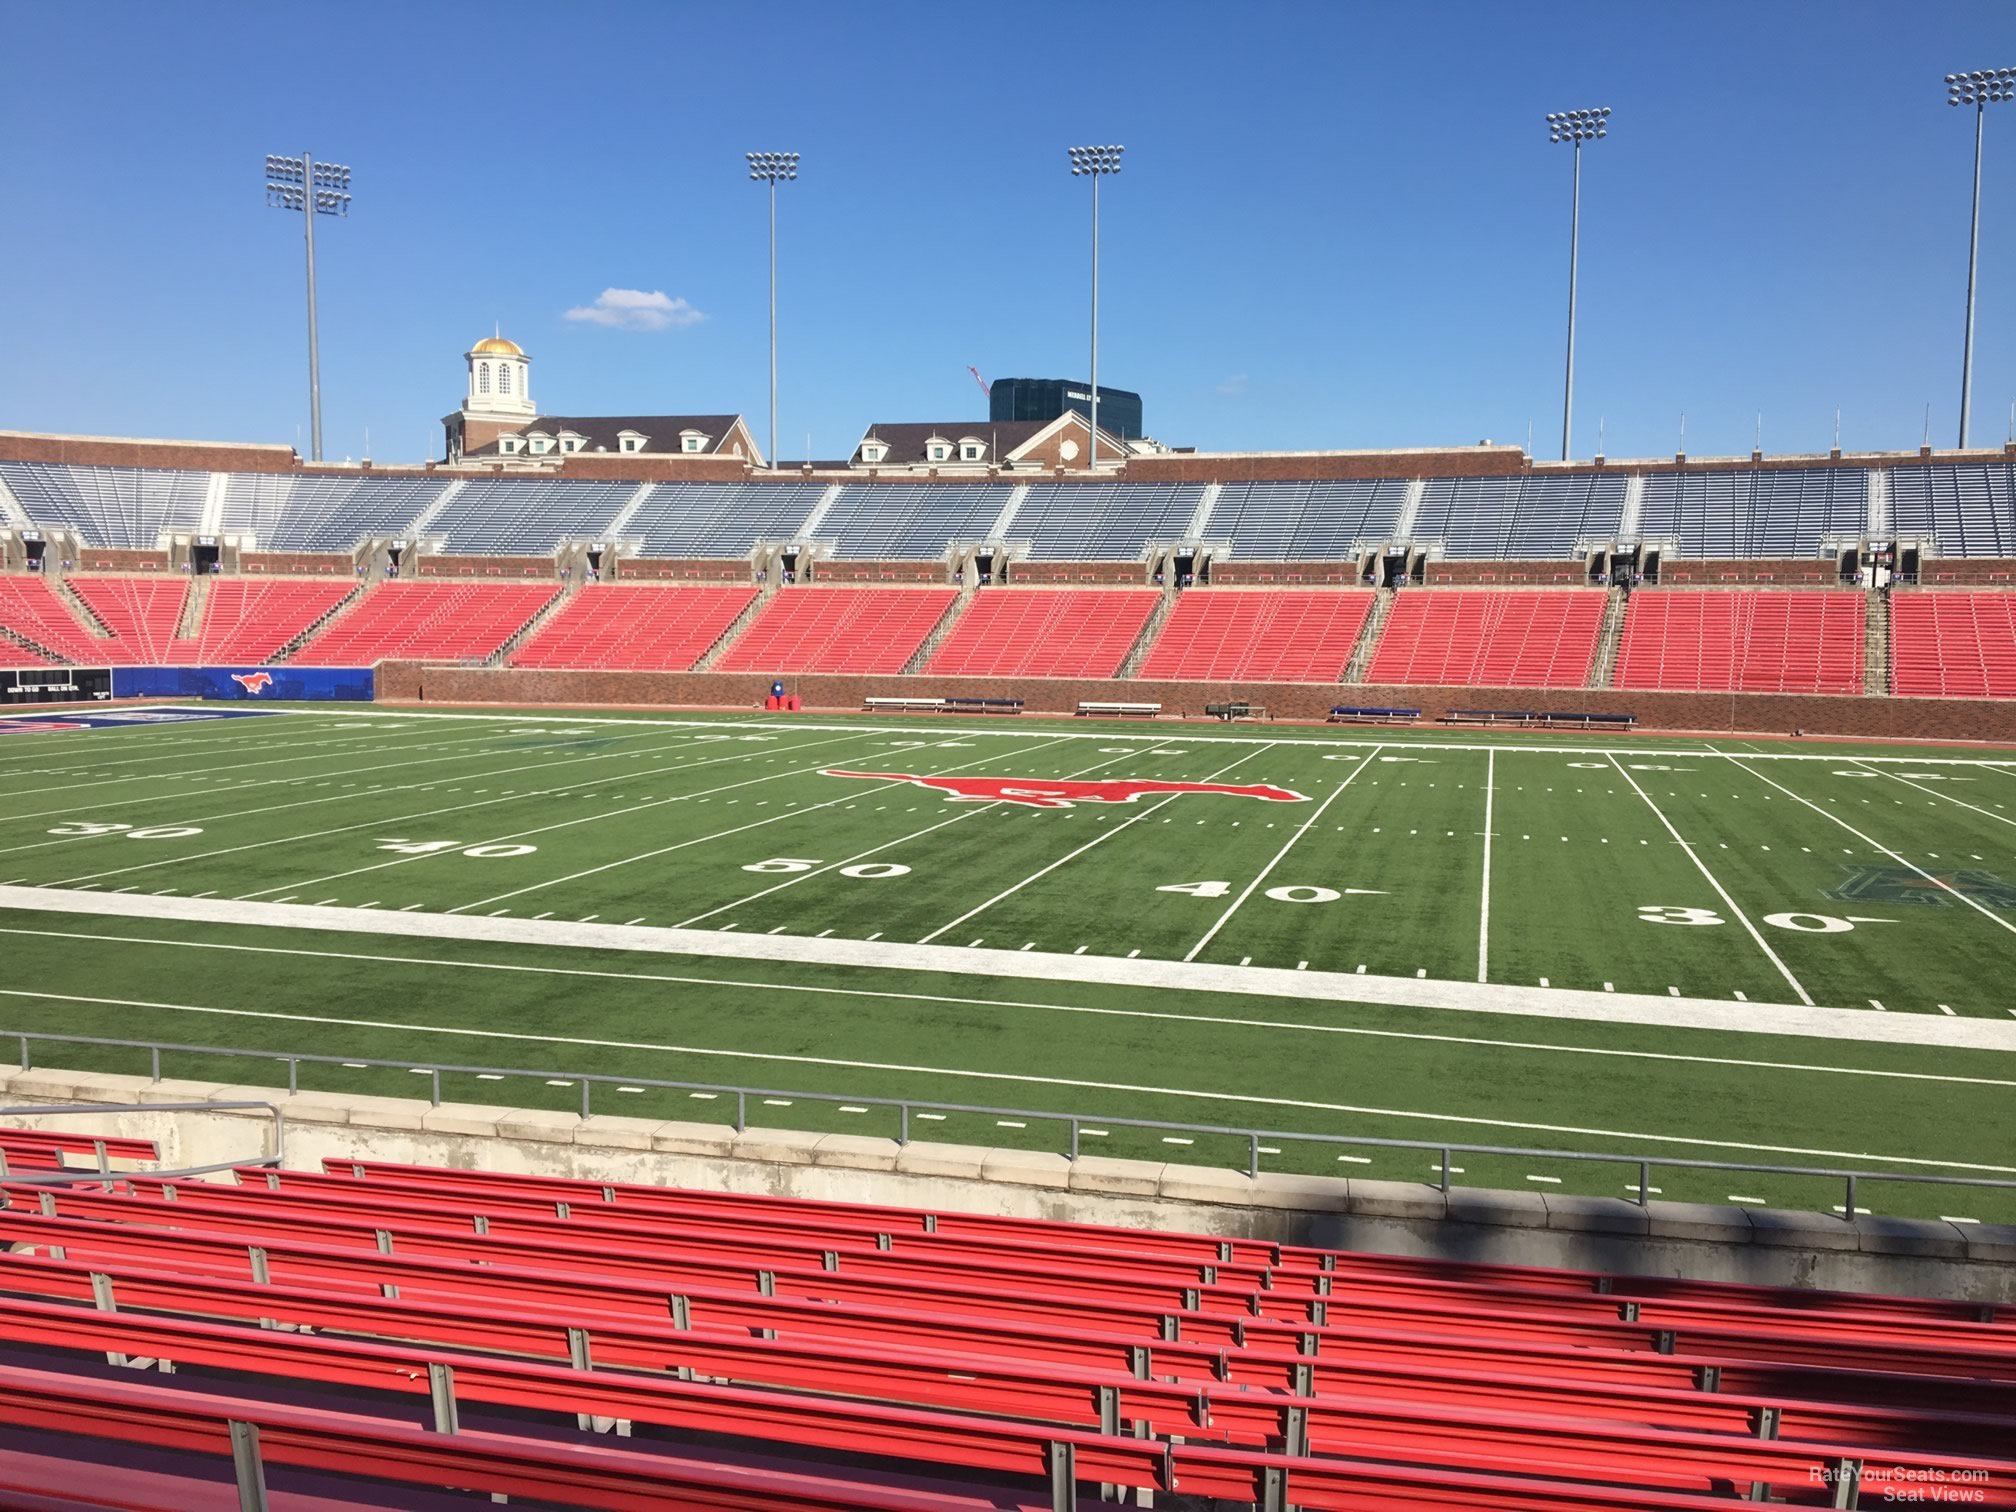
{"x": 498, "y": 422}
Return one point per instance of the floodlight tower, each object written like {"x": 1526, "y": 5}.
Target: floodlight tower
{"x": 311, "y": 188}
{"x": 1095, "y": 163}
{"x": 1574, "y": 127}
{"x": 770, "y": 167}
{"x": 1981, "y": 88}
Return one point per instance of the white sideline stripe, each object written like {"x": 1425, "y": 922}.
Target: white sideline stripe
{"x": 1720, "y": 891}
{"x": 1037, "y": 876}
{"x": 968, "y": 732}
{"x": 1300, "y": 830}
{"x": 1484, "y": 905}
{"x": 1236, "y": 981}
{"x": 1978, "y": 907}
{"x": 1215, "y": 1020}
{"x": 1021, "y": 1078}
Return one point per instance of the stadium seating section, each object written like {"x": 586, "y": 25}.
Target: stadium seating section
{"x": 1955, "y": 644}
{"x": 248, "y": 621}
{"x": 31, "y": 610}
{"x": 1758, "y": 642}
{"x": 446, "y": 621}
{"x": 1489, "y": 638}
{"x": 774, "y": 1353}
{"x": 838, "y": 630}
{"x": 141, "y": 613}
{"x": 1038, "y": 632}
{"x": 1259, "y": 636}
{"x": 648, "y": 629}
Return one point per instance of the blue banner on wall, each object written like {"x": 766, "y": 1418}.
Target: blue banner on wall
{"x": 342, "y": 684}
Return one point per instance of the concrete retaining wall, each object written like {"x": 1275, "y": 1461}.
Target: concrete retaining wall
{"x": 1758, "y": 1245}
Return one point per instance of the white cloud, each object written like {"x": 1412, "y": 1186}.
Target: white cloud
{"x": 635, "y": 310}
{"x": 1234, "y": 386}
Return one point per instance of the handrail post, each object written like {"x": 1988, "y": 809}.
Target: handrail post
{"x": 24, "y": 1054}
{"x": 293, "y": 1075}
{"x": 741, "y": 1112}
{"x": 434, "y": 1088}
{"x": 1445, "y": 1170}
{"x": 154, "y": 1064}
{"x": 246, "y": 1466}
{"x": 1644, "y": 1183}
{"x": 586, "y": 1083}
{"x": 903, "y": 1123}
{"x": 1253, "y": 1155}
{"x": 1848, "y": 1208}
{"x": 1074, "y": 1140}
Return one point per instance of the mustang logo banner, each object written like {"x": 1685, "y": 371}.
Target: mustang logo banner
{"x": 253, "y": 682}
{"x": 1036, "y": 792}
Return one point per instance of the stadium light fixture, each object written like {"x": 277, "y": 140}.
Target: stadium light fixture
{"x": 1574, "y": 127}
{"x": 309, "y": 189}
{"x": 1095, "y": 163}
{"x": 771, "y": 168}
{"x": 1981, "y": 88}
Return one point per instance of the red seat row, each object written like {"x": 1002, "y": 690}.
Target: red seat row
{"x": 1489, "y": 638}
{"x": 838, "y": 630}
{"x": 1747, "y": 642}
{"x": 1263, "y": 636}
{"x": 1045, "y": 632}
{"x": 634, "y": 627}
{"x": 426, "y": 621}
{"x": 1953, "y": 645}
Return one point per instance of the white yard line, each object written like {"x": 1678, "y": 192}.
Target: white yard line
{"x": 380, "y": 821}
{"x": 939, "y": 999}
{"x": 1288, "y": 845}
{"x": 1720, "y": 891}
{"x": 877, "y": 850}
{"x": 1009, "y": 892}
{"x": 1935, "y": 793}
{"x": 594, "y": 818}
{"x": 959, "y": 1073}
{"x": 1484, "y": 897}
{"x": 429, "y": 784}
{"x": 313, "y": 755}
{"x": 1982, "y": 909}
{"x": 852, "y": 796}
{"x": 1037, "y": 965}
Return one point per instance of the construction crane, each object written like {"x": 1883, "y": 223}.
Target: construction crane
{"x": 981, "y": 381}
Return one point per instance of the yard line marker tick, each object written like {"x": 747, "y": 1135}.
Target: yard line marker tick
{"x": 1945, "y": 1010}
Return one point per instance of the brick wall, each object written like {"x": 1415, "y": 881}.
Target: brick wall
{"x": 1770, "y": 713}
{"x": 1130, "y": 574}
{"x": 1985, "y": 571}
{"x": 653, "y": 469}
{"x": 1461, "y": 462}
{"x": 106, "y": 559}
{"x": 880, "y": 572}
{"x": 487, "y": 566}
{"x": 296, "y": 564}
{"x": 1778, "y": 572}
{"x": 1300, "y": 574}
{"x": 109, "y": 451}
{"x": 674, "y": 570}
{"x": 1502, "y": 574}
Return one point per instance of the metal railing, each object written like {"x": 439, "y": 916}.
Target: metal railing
{"x": 103, "y": 1168}
{"x": 1256, "y": 1141}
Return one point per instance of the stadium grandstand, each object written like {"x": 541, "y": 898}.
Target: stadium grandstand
{"x": 1853, "y": 580}
{"x": 603, "y": 962}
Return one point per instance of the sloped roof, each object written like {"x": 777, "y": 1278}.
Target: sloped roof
{"x": 906, "y": 440}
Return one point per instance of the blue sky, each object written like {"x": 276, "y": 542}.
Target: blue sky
{"x": 1340, "y": 225}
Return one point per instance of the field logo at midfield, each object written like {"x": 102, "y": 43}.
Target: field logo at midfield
{"x": 253, "y": 682}
{"x": 1036, "y": 793}
{"x": 1901, "y": 885}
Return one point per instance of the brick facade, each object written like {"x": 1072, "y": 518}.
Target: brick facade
{"x": 296, "y": 563}
{"x": 678, "y": 570}
{"x": 1775, "y": 572}
{"x": 107, "y": 559}
{"x": 1502, "y": 574}
{"x": 855, "y": 571}
{"x": 1749, "y": 713}
{"x": 1072, "y": 574}
{"x": 487, "y": 566}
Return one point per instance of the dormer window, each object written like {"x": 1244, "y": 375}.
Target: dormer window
{"x": 971, "y": 450}
{"x": 630, "y": 441}
{"x": 937, "y": 449}
{"x": 692, "y": 441}
{"x": 508, "y": 445}
{"x": 873, "y": 451}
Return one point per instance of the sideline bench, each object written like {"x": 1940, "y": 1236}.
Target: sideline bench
{"x": 1231, "y": 711}
{"x": 1540, "y": 719}
{"x": 959, "y": 705}
{"x": 1344, "y": 714}
{"x": 1120, "y": 710}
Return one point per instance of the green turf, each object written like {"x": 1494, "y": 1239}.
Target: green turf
{"x": 723, "y": 823}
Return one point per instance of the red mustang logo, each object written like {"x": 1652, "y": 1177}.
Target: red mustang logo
{"x": 253, "y": 682}
{"x": 1037, "y": 793}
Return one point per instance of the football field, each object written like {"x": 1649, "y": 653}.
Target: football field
{"x": 1780, "y": 952}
